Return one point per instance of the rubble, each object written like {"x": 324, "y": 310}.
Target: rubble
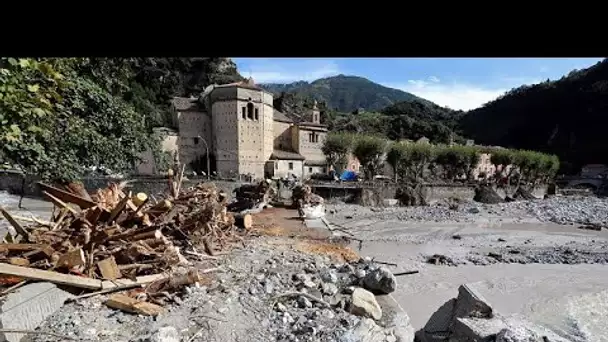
{"x": 309, "y": 205}
{"x": 114, "y": 241}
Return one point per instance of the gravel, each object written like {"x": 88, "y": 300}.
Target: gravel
{"x": 268, "y": 293}
{"x": 561, "y": 210}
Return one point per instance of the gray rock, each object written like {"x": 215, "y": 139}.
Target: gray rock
{"x": 329, "y": 276}
{"x": 164, "y": 334}
{"x": 381, "y": 280}
{"x": 470, "y": 303}
{"x": 365, "y": 331}
{"x": 303, "y": 302}
{"x": 364, "y": 304}
{"x": 329, "y": 289}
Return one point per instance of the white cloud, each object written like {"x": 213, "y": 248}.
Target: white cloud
{"x": 269, "y": 71}
{"x": 458, "y": 95}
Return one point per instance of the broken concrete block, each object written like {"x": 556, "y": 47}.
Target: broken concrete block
{"x": 364, "y": 304}
{"x": 476, "y": 329}
{"x": 365, "y": 331}
{"x": 438, "y": 326}
{"x": 381, "y": 280}
{"x": 28, "y": 306}
{"x": 470, "y": 303}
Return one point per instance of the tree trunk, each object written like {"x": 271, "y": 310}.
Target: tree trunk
{"x": 22, "y": 192}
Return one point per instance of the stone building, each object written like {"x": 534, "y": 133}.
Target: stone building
{"x": 237, "y": 125}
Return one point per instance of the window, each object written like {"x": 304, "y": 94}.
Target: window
{"x": 250, "y": 111}
{"x": 244, "y": 112}
{"x": 196, "y": 140}
{"x": 310, "y": 170}
{"x": 276, "y": 166}
{"x": 290, "y": 166}
{"x": 256, "y": 114}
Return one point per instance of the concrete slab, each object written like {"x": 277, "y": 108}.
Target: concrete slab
{"x": 27, "y": 307}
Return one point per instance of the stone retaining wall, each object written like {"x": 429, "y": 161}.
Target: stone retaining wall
{"x": 434, "y": 192}
{"x": 11, "y": 181}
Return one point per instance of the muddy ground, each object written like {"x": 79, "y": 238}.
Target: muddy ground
{"x": 528, "y": 264}
{"x": 530, "y": 258}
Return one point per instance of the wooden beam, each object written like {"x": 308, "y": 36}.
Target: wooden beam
{"x": 53, "y": 277}
{"x": 72, "y": 258}
{"x": 59, "y": 203}
{"x": 20, "y": 247}
{"x": 18, "y": 228}
{"x": 119, "y": 208}
{"x": 65, "y": 196}
{"x": 108, "y": 269}
{"x": 125, "y": 303}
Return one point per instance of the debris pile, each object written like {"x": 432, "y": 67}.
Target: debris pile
{"x": 309, "y": 205}
{"x": 116, "y": 240}
{"x": 251, "y": 196}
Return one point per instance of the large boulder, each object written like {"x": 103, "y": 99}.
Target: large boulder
{"x": 380, "y": 280}
{"x": 485, "y": 194}
{"x": 364, "y": 304}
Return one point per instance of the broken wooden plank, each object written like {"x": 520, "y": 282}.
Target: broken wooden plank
{"x": 125, "y": 303}
{"x": 65, "y": 196}
{"x": 59, "y": 203}
{"x": 78, "y": 188}
{"x": 143, "y": 280}
{"x": 72, "y": 258}
{"x": 18, "y": 228}
{"x": 18, "y": 261}
{"x": 94, "y": 214}
{"x": 53, "y": 277}
{"x": 119, "y": 208}
{"x": 109, "y": 269}
{"x": 9, "y": 247}
{"x": 32, "y": 220}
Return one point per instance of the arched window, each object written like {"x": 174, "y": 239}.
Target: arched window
{"x": 256, "y": 114}
{"x": 244, "y": 113}
{"x": 250, "y": 111}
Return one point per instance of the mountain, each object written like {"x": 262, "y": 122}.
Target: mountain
{"x": 568, "y": 117}
{"x": 345, "y": 93}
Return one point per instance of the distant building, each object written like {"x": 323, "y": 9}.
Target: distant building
{"x": 244, "y": 134}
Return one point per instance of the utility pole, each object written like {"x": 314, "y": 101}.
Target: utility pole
{"x": 207, "y": 155}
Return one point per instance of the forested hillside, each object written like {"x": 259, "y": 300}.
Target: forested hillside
{"x": 60, "y": 116}
{"x": 345, "y": 93}
{"x": 567, "y": 117}
{"x": 403, "y": 120}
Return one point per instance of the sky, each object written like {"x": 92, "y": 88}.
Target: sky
{"x": 457, "y": 83}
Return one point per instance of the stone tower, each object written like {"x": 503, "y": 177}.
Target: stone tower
{"x": 315, "y": 114}
{"x": 242, "y": 116}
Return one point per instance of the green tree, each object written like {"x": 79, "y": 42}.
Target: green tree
{"x": 370, "y": 152}
{"x": 57, "y": 121}
{"x": 336, "y": 149}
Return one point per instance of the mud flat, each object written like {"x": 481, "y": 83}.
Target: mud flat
{"x": 525, "y": 264}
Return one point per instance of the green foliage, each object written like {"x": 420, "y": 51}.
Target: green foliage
{"x": 457, "y": 160}
{"x": 370, "y": 150}
{"x": 531, "y": 166}
{"x": 60, "y": 116}
{"x": 566, "y": 117}
{"x": 336, "y": 148}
